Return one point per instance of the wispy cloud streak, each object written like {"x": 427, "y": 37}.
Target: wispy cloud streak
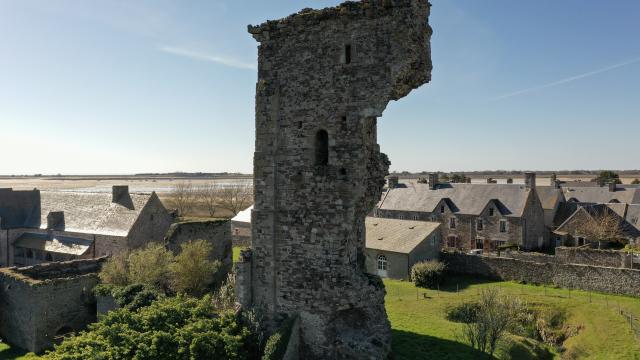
{"x": 207, "y": 57}
{"x": 566, "y": 80}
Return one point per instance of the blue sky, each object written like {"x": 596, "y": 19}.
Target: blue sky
{"x": 97, "y": 87}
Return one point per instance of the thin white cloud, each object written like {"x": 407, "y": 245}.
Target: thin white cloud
{"x": 207, "y": 57}
{"x": 567, "y": 80}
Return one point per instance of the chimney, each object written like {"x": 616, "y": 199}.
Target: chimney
{"x": 556, "y": 184}
{"x": 55, "y": 220}
{"x": 392, "y": 181}
{"x": 612, "y": 186}
{"x": 509, "y": 181}
{"x": 553, "y": 180}
{"x": 119, "y": 193}
{"x": 530, "y": 180}
{"x": 433, "y": 181}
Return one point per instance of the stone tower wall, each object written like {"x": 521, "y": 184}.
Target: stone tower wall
{"x": 324, "y": 77}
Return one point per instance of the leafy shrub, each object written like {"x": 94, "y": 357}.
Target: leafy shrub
{"x": 131, "y": 297}
{"x": 115, "y": 270}
{"x": 192, "y": 270}
{"x": 463, "y": 313}
{"x": 170, "y": 328}
{"x": 427, "y": 274}
{"x": 277, "y": 343}
{"x": 150, "y": 266}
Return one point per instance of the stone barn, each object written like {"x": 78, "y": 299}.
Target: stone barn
{"x": 324, "y": 77}
{"x": 44, "y": 226}
{"x": 394, "y": 246}
{"x": 42, "y": 303}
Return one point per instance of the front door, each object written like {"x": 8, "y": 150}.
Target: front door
{"x": 485, "y": 246}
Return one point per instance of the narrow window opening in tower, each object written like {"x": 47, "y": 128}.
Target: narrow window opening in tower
{"x": 322, "y": 148}
{"x": 347, "y": 54}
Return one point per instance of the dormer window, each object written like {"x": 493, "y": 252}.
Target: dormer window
{"x": 441, "y": 209}
{"x": 492, "y": 211}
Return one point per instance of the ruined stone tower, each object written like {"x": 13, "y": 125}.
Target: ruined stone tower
{"x": 324, "y": 77}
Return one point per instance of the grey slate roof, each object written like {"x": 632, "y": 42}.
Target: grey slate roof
{"x": 92, "y": 213}
{"x": 549, "y": 196}
{"x": 57, "y": 244}
{"x": 625, "y": 213}
{"x": 602, "y": 195}
{"x": 401, "y": 236}
{"x": 469, "y": 199}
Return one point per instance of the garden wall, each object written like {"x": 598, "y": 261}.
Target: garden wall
{"x": 572, "y": 276}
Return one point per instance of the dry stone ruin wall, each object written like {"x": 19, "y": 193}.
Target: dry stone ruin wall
{"x": 324, "y": 77}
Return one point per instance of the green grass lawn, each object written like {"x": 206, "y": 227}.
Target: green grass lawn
{"x": 420, "y": 330}
{"x": 236, "y": 253}
{"x": 7, "y": 353}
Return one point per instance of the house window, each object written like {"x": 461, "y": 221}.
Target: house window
{"x": 48, "y": 257}
{"x": 347, "y": 54}
{"x": 479, "y": 225}
{"x": 322, "y": 148}
{"x": 492, "y": 211}
{"x": 416, "y": 217}
{"x": 400, "y": 216}
{"x": 558, "y": 241}
{"x": 452, "y": 241}
{"x": 479, "y": 243}
{"x": 503, "y": 226}
{"x": 498, "y": 243}
{"x": 441, "y": 209}
{"x": 382, "y": 262}
{"x": 434, "y": 217}
{"x": 581, "y": 240}
{"x": 29, "y": 253}
{"x": 19, "y": 252}
{"x": 452, "y": 223}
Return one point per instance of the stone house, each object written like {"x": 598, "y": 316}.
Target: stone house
{"x": 40, "y": 304}
{"x": 473, "y": 216}
{"x": 44, "y": 226}
{"x": 394, "y": 246}
{"x": 571, "y": 231}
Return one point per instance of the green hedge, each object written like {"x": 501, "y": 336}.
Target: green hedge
{"x": 277, "y": 343}
{"x": 427, "y": 274}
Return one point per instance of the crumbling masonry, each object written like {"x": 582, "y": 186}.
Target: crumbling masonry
{"x": 324, "y": 77}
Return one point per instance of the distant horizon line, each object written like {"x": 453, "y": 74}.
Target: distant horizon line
{"x": 196, "y": 174}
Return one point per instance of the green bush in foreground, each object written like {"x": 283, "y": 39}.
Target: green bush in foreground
{"x": 170, "y": 328}
{"x": 427, "y": 274}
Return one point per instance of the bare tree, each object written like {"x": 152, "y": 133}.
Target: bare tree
{"x": 183, "y": 197}
{"x": 235, "y": 198}
{"x": 496, "y": 313}
{"x": 210, "y": 195}
{"x": 603, "y": 227}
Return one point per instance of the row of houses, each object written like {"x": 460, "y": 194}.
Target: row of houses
{"x": 413, "y": 221}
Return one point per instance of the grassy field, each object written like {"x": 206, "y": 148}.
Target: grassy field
{"x": 420, "y": 330}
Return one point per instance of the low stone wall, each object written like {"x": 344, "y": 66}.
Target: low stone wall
{"x": 530, "y": 256}
{"x": 610, "y": 258}
{"x": 572, "y": 276}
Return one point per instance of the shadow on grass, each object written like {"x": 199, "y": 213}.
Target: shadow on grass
{"x": 7, "y": 353}
{"x": 408, "y": 345}
{"x": 453, "y": 283}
